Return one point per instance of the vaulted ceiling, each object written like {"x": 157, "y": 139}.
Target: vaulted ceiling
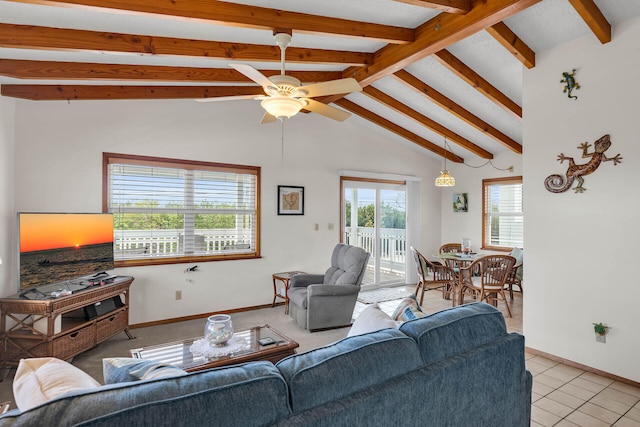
{"x": 429, "y": 70}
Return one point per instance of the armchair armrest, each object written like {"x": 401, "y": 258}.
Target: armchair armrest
{"x": 304, "y": 280}
{"x": 332, "y": 290}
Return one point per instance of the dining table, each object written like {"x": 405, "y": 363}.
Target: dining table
{"x": 456, "y": 260}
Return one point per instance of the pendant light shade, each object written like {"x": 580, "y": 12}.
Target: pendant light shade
{"x": 445, "y": 180}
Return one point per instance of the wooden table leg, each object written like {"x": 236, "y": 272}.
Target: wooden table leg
{"x": 275, "y": 292}
{"x": 286, "y": 296}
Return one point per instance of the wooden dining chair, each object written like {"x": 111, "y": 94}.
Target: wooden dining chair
{"x": 485, "y": 279}
{"x": 450, "y": 247}
{"x": 433, "y": 275}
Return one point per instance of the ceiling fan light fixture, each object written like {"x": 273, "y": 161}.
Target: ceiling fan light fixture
{"x": 282, "y": 107}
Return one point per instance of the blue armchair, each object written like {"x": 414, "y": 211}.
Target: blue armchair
{"x": 321, "y": 301}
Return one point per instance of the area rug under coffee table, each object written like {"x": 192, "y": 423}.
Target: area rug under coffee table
{"x": 382, "y": 294}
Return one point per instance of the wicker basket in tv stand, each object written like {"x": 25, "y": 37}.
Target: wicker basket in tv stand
{"x": 51, "y": 327}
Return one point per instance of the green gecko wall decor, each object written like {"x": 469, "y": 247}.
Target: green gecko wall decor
{"x": 570, "y": 83}
{"x": 559, "y": 184}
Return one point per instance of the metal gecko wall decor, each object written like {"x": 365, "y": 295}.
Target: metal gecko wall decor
{"x": 570, "y": 83}
{"x": 559, "y": 184}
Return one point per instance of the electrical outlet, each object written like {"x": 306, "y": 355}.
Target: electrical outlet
{"x": 331, "y": 226}
{"x": 178, "y": 295}
{"x": 316, "y": 227}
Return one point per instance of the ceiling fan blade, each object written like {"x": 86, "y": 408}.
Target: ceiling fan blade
{"x": 253, "y": 74}
{"x": 268, "y": 118}
{"x": 332, "y": 87}
{"x": 326, "y": 110}
{"x": 226, "y": 98}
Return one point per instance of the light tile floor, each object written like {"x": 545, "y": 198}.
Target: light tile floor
{"x": 562, "y": 395}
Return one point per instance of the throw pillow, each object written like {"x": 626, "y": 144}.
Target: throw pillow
{"x": 408, "y": 309}
{"x": 39, "y": 380}
{"x": 371, "y": 319}
{"x": 125, "y": 369}
{"x": 518, "y": 254}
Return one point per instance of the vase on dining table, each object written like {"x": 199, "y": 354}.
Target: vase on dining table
{"x": 466, "y": 246}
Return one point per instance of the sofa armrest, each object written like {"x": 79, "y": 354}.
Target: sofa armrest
{"x": 304, "y": 280}
{"x": 332, "y": 290}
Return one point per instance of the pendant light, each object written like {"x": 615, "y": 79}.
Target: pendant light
{"x": 445, "y": 180}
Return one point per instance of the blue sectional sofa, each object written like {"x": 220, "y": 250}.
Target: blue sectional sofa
{"x": 458, "y": 367}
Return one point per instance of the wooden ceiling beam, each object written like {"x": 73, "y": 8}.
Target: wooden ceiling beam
{"x": 425, "y": 121}
{"x": 86, "y": 92}
{"x": 457, "y": 110}
{"x": 398, "y": 130}
{"x": 518, "y": 48}
{"x": 459, "y": 68}
{"x": 449, "y": 6}
{"x": 49, "y": 70}
{"x": 436, "y": 34}
{"x": 593, "y": 17}
{"x": 244, "y": 16}
{"x": 34, "y": 37}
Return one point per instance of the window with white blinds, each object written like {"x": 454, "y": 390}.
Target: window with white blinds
{"x": 502, "y": 217}
{"x": 169, "y": 210}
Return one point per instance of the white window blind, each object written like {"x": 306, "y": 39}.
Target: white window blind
{"x": 502, "y": 213}
{"x": 168, "y": 209}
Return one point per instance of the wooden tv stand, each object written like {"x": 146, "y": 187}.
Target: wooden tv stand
{"x": 57, "y": 327}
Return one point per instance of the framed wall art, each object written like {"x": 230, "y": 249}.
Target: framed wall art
{"x": 290, "y": 200}
{"x": 460, "y": 202}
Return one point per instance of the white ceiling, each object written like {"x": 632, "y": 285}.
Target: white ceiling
{"x": 542, "y": 26}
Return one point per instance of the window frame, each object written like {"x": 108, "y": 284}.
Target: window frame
{"x": 130, "y": 159}
{"x": 486, "y": 235}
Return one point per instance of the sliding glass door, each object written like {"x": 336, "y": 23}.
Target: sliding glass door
{"x": 374, "y": 218}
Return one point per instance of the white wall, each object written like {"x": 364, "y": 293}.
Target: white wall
{"x": 58, "y": 164}
{"x": 7, "y": 212}
{"x": 581, "y": 249}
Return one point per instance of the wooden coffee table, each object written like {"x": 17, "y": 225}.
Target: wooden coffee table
{"x": 177, "y": 353}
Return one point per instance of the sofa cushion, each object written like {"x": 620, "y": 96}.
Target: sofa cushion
{"x": 203, "y": 397}
{"x": 39, "y": 380}
{"x": 455, "y": 330}
{"x": 123, "y": 369}
{"x": 371, "y": 319}
{"x": 347, "y": 366}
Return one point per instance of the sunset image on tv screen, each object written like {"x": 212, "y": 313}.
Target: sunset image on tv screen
{"x": 57, "y": 247}
{"x": 51, "y": 231}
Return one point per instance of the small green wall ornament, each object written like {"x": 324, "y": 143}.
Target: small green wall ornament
{"x": 570, "y": 83}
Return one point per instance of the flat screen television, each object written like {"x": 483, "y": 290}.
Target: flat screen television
{"x": 58, "y": 247}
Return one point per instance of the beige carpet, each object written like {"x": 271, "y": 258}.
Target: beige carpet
{"x": 119, "y": 346}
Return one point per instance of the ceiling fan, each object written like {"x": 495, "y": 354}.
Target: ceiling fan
{"x": 286, "y": 96}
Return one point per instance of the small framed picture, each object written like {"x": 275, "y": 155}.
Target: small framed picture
{"x": 290, "y": 200}
{"x": 460, "y": 202}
